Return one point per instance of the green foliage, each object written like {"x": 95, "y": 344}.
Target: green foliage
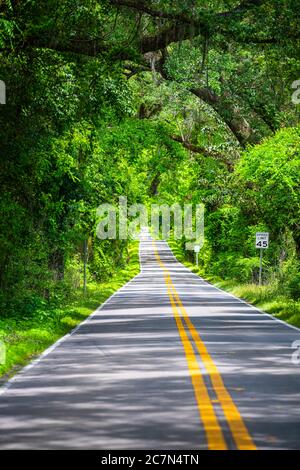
{"x": 273, "y": 171}
{"x": 28, "y": 333}
{"x": 289, "y": 278}
{"x": 90, "y": 118}
{"x": 261, "y": 195}
{"x": 268, "y": 298}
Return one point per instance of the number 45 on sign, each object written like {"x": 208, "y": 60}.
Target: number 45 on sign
{"x": 262, "y": 240}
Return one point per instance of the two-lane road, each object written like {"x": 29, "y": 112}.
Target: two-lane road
{"x": 168, "y": 362}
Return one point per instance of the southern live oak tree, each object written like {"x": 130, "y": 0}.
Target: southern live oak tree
{"x": 152, "y": 99}
{"x": 143, "y": 32}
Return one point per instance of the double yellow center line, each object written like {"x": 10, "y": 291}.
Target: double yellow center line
{"x": 212, "y": 427}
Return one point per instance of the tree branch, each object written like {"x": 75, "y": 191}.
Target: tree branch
{"x": 206, "y": 22}
{"x": 229, "y": 113}
{"x": 181, "y": 17}
{"x": 151, "y": 11}
{"x": 204, "y": 151}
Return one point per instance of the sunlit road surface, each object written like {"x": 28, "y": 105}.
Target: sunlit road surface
{"x": 169, "y": 362}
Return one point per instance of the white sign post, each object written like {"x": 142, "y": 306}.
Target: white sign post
{"x": 262, "y": 242}
{"x": 2, "y": 92}
{"x": 197, "y": 250}
{"x": 2, "y": 353}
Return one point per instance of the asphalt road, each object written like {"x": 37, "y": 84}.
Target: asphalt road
{"x": 168, "y": 362}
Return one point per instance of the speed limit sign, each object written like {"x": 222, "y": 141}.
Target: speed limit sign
{"x": 262, "y": 240}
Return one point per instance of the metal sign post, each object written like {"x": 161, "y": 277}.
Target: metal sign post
{"x": 260, "y": 266}
{"x": 85, "y": 257}
{"x": 262, "y": 242}
{"x": 2, "y": 92}
{"x": 196, "y": 250}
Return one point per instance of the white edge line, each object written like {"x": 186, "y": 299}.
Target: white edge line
{"x": 237, "y": 298}
{"x": 8, "y": 384}
{"x": 51, "y": 348}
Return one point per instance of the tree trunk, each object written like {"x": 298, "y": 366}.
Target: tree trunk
{"x": 230, "y": 114}
{"x": 57, "y": 264}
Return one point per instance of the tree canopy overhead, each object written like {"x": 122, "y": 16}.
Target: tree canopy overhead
{"x": 158, "y": 100}
{"x": 227, "y": 53}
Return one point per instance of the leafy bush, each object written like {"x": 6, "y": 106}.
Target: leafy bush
{"x": 289, "y": 278}
{"x": 294, "y": 287}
